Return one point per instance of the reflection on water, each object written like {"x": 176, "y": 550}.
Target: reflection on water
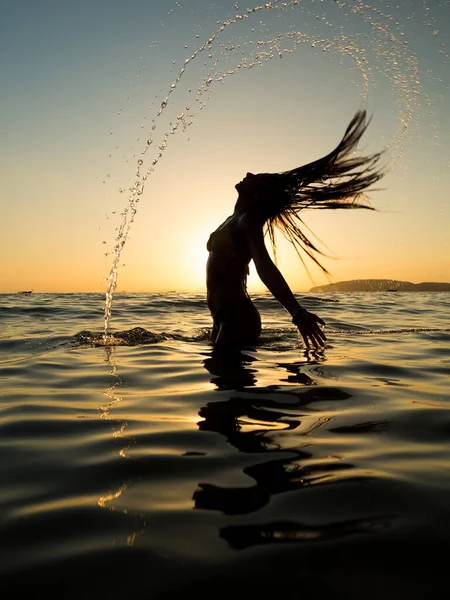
{"x": 249, "y": 424}
{"x": 233, "y": 371}
{"x": 163, "y": 466}
{"x": 243, "y": 536}
{"x": 275, "y": 424}
{"x": 119, "y": 426}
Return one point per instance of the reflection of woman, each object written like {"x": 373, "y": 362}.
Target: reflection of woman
{"x": 280, "y": 464}
{"x": 266, "y": 201}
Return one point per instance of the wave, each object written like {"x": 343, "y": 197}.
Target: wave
{"x": 361, "y": 331}
{"x": 271, "y": 338}
{"x": 135, "y": 337}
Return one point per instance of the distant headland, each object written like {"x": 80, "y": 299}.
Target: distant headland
{"x": 382, "y": 285}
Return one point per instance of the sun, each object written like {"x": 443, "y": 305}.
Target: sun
{"x": 192, "y": 253}
{"x": 195, "y": 257}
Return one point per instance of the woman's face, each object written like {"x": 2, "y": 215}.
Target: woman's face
{"x": 252, "y": 185}
{"x": 263, "y": 193}
{"x": 245, "y": 184}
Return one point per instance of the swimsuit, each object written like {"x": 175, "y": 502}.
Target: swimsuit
{"x": 237, "y": 312}
{"x": 220, "y": 240}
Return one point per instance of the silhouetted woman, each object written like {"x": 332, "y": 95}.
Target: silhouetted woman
{"x": 270, "y": 200}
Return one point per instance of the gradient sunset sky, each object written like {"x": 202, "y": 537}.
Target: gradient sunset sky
{"x": 92, "y": 88}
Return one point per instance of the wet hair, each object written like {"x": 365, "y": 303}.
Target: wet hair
{"x": 338, "y": 180}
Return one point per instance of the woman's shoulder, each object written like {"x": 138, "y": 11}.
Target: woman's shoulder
{"x": 248, "y": 221}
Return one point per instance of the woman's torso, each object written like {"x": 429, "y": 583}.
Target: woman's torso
{"x": 227, "y": 266}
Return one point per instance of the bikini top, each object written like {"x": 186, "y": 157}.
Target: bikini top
{"x": 221, "y": 241}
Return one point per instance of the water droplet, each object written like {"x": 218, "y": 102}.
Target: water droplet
{"x": 140, "y": 162}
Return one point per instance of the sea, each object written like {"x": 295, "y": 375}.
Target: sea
{"x": 141, "y": 466}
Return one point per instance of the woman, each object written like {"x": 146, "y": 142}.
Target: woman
{"x": 266, "y": 201}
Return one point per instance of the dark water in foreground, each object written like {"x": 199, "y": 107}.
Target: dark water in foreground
{"x": 146, "y": 469}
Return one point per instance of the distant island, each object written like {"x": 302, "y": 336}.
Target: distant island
{"x": 382, "y": 285}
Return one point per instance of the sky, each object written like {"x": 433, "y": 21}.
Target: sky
{"x": 126, "y": 125}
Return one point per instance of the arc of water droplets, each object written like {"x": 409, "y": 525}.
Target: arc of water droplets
{"x": 400, "y": 78}
{"x": 408, "y": 83}
{"x": 119, "y": 426}
{"x": 344, "y": 44}
{"x": 138, "y": 187}
{"x": 212, "y": 39}
{"x": 127, "y": 219}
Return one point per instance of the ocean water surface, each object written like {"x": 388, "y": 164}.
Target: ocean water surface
{"x": 145, "y": 468}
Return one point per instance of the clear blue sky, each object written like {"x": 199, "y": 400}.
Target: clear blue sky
{"x": 81, "y": 87}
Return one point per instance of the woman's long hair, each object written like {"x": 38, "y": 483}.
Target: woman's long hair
{"x": 335, "y": 181}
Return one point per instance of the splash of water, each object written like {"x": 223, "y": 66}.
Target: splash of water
{"x": 371, "y": 36}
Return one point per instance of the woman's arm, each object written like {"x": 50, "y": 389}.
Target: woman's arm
{"x": 272, "y": 278}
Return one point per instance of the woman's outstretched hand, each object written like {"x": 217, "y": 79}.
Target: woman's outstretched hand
{"x": 308, "y": 326}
